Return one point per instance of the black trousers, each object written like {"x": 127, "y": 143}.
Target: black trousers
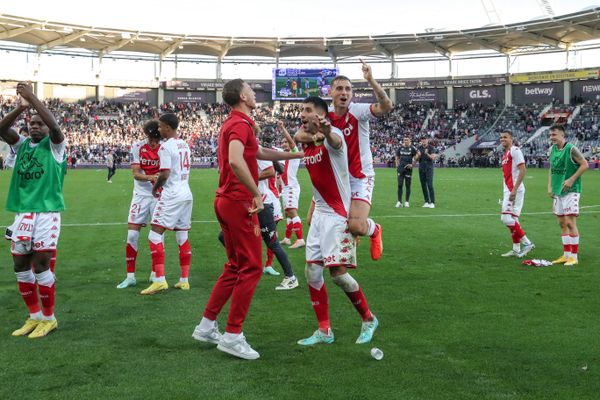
{"x": 404, "y": 178}
{"x": 111, "y": 172}
{"x": 268, "y": 230}
{"x": 426, "y": 177}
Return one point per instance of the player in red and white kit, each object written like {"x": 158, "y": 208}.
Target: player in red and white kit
{"x": 353, "y": 120}
{"x": 291, "y": 193}
{"x": 330, "y": 244}
{"x": 513, "y": 171}
{"x": 145, "y": 165}
{"x": 173, "y": 210}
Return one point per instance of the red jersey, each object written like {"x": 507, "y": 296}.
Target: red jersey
{"x": 238, "y": 126}
{"x": 511, "y": 160}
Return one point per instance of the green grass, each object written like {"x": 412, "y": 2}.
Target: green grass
{"x": 457, "y": 320}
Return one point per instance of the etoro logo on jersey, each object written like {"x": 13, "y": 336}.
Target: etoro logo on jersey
{"x": 348, "y": 130}
{"x": 30, "y": 167}
{"x": 314, "y": 159}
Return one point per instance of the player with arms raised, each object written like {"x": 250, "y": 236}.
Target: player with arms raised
{"x": 35, "y": 195}
{"x": 291, "y": 193}
{"x": 353, "y": 120}
{"x": 567, "y": 164}
{"x": 330, "y": 243}
{"x": 513, "y": 172}
{"x": 173, "y": 210}
{"x": 145, "y": 167}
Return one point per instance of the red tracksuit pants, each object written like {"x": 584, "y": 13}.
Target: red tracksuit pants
{"x": 243, "y": 269}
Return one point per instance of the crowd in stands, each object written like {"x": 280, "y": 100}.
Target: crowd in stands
{"x": 95, "y": 129}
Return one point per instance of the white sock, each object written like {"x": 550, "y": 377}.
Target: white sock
{"x": 516, "y": 247}
{"x": 566, "y": 239}
{"x": 38, "y": 316}
{"x": 371, "y": 227}
{"x": 574, "y": 240}
{"x": 230, "y": 337}
{"x": 159, "y": 280}
{"x": 206, "y": 324}
{"x": 183, "y": 280}
{"x": 525, "y": 240}
{"x": 131, "y": 275}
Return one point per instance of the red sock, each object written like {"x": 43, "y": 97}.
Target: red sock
{"x": 320, "y": 304}
{"x": 270, "y": 256}
{"x": 47, "y": 298}
{"x": 30, "y": 296}
{"x": 288, "y": 230}
{"x": 185, "y": 258}
{"x": 130, "y": 257}
{"x": 53, "y": 260}
{"x": 360, "y": 303}
{"x": 574, "y": 244}
{"x": 157, "y": 251}
{"x": 298, "y": 230}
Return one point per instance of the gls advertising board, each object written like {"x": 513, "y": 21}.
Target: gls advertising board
{"x": 479, "y": 94}
{"x": 538, "y": 93}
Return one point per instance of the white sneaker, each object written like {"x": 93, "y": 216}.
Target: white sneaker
{"x": 288, "y": 283}
{"x": 127, "y": 283}
{"x": 239, "y": 348}
{"x": 285, "y": 241}
{"x": 298, "y": 243}
{"x": 511, "y": 253}
{"x": 398, "y": 204}
{"x": 426, "y": 205}
{"x": 431, "y": 205}
{"x": 211, "y": 336}
{"x": 406, "y": 204}
{"x": 268, "y": 270}
{"x": 526, "y": 249}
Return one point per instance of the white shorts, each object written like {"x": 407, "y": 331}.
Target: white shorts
{"x": 173, "y": 216}
{"x": 513, "y": 208}
{"x": 35, "y": 232}
{"x": 329, "y": 242}
{"x": 141, "y": 209}
{"x": 291, "y": 197}
{"x": 362, "y": 189}
{"x": 566, "y": 205}
{"x": 274, "y": 200}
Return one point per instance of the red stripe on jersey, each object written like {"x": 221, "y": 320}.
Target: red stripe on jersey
{"x": 284, "y": 176}
{"x": 348, "y": 124}
{"x": 273, "y": 185}
{"x": 507, "y": 170}
{"x": 322, "y": 176}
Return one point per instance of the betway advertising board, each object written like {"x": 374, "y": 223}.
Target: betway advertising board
{"x": 479, "y": 94}
{"x": 539, "y": 93}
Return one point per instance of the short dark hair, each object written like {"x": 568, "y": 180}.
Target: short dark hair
{"x": 340, "y": 78}
{"x": 509, "y": 132}
{"x": 317, "y": 102}
{"x": 232, "y": 91}
{"x": 151, "y": 129}
{"x": 557, "y": 127}
{"x": 169, "y": 119}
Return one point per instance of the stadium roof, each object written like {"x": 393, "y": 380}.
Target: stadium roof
{"x": 550, "y": 33}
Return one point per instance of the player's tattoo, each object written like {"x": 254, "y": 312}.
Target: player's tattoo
{"x": 576, "y": 155}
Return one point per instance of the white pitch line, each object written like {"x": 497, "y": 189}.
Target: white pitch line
{"x": 100, "y": 224}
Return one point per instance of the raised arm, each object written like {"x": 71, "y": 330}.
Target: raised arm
{"x": 7, "y": 133}
{"x": 332, "y": 139}
{"x": 274, "y": 155}
{"x": 26, "y": 91}
{"x": 288, "y": 138}
{"x": 384, "y": 104}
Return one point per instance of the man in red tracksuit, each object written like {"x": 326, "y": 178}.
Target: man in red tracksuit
{"x": 237, "y": 202}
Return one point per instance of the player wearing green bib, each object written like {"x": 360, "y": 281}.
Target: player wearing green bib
{"x": 564, "y": 187}
{"x": 35, "y": 195}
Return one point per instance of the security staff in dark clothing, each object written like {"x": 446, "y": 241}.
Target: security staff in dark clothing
{"x": 426, "y": 158}
{"x": 405, "y": 158}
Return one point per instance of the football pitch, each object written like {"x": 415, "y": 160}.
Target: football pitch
{"x": 457, "y": 321}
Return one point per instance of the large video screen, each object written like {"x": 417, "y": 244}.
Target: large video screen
{"x": 298, "y": 83}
